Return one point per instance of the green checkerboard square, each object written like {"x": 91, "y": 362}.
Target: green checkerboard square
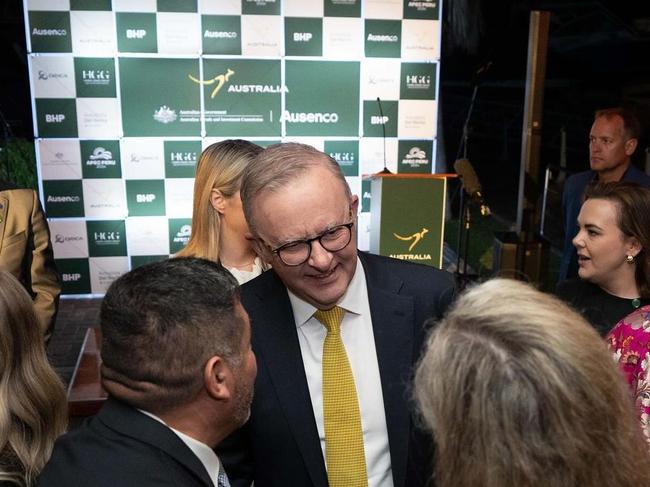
{"x": 50, "y": 31}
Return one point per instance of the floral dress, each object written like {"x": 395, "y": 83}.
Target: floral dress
{"x": 629, "y": 341}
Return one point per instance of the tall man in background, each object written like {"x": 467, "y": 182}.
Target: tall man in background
{"x": 26, "y": 251}
{"x": 613, "y": 139}
{"x": 336, "y": 332}
{"x": 179, "y": 370}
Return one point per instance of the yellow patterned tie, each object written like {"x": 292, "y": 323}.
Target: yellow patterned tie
{"x": 344, "y": 454}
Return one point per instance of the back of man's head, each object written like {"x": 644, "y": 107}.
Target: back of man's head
{"x": 160, "y": 324}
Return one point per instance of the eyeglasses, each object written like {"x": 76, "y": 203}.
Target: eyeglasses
{"x": 298, "y": 252}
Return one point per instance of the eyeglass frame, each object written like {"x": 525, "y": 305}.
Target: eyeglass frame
{"x": 309, "y": 242}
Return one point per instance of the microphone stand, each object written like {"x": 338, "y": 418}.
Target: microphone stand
{"x": 464, "y": 215}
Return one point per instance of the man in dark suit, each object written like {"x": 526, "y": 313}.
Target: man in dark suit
{"x": 613, "y": 139}
{"x": 26, "y": 251}
{"x": 179, "y": 369}
{"x": 302, "y": 219}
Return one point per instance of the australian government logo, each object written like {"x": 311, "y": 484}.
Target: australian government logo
{"x": 167, "y": 115}
{"x": 413, "y": 241}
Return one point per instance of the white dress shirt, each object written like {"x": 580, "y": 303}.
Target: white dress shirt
{"x": 359, "y": 340}
{"x": 203, "y": 452}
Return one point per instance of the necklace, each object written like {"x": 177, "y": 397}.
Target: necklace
{"x": 636, "y": 302}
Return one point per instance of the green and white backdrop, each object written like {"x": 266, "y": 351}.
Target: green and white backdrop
{"x": 126, "y": 93}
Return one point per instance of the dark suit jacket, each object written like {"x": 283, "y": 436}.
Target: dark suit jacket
{"x": 122, "y": 447}
{"x": 279, "y": 446}
{"x": 26, "y": 251}
{"x": 574, "y": 188}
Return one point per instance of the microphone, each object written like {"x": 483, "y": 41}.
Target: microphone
{"x": 383, "y": 128}
{"x": 471, "y": 184}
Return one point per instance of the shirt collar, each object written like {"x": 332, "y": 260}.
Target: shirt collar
{"x": 303, "y": 311}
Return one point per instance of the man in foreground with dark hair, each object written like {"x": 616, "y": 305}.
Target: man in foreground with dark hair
{"x": 179, "y": 369}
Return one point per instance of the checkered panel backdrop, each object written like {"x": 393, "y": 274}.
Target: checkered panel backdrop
{"x": 126, "y": 93}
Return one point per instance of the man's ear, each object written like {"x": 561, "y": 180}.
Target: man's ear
{"x": 217, "y": 200}
{"x": 218, "y": 379}
{"x": 630, "y": 146}
{"x": 354, "y": 205}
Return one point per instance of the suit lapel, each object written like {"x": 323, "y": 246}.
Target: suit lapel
{"x": 392, "y": 322}
{"x": 129, "y": 422}
{"x": 275, "y": 340}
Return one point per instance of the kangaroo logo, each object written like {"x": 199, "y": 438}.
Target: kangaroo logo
{"x": 219, "y": 79}
{"x": 415, "y": 238}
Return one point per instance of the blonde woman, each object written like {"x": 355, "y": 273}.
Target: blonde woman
{"x": 33, "y": 410}
{"x": 218, "y": 224}
{"x": 518, "y": 390}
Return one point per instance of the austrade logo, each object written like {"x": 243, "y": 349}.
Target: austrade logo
{"x": 382, "y": 38}
{"x": 43, "y": 75}
{"x": 49, "y": 32}
{"x": 58, "y": 238}
{"x": 63, "y": 199}
{"x": 219, "y": 34}
{"x": 414, "y": 240}
{"x": 418, "y": 82}
{"x": 310, "y": 117}
{"x": 219, "y": 79}
{"x": 96, "y": 76}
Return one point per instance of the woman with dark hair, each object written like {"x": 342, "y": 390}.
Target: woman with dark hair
{"x": 33, "y": 408}
{"x": 613, "y": 256}
{"x": 518, "y": 390}
{"x": 218, "y": 224}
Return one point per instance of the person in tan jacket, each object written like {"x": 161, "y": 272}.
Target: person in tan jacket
{"x": 26, "y": 251}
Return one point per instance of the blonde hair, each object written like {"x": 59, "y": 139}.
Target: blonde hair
{"x": 33, "y": 407}
{"x": 519, "y": 390}
{"x": 220, "y": 167}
